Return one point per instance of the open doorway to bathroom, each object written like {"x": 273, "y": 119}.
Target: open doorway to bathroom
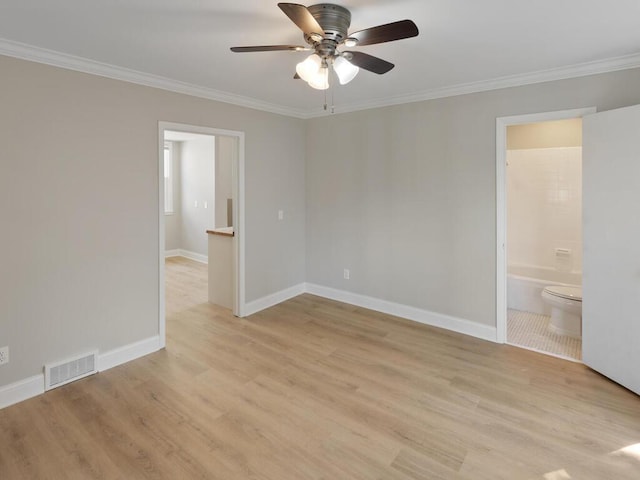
{"x": 544, "y": 236}
{"x": 540, "y": 233}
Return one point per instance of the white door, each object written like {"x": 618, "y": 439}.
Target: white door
{"x": 611, "y": 236}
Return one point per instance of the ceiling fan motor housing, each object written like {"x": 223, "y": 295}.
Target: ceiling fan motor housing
{"x": 326, "y": 30}
{"x": 335, "y": 21}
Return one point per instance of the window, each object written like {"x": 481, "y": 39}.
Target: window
{"x": 168, "y": 178}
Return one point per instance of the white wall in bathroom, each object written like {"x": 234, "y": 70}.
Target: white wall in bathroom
{"x": 197, "y": 177}
{"x": 173, "y": 221}
{"x": 544, "y": 212}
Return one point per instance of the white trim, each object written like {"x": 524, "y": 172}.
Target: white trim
{"x": 178, "y": 252}
{"x": 545, "y": 352}
{"x": 71, "y": 62}
{"x": 79, "y": 64}
{"x": 614, "y": 64}
{"x": 170, "y": 180}
{"x": 197, "y": 257}
{"x": 33, "y": 386}
{"x": 21, "y": 390}
{"x": 426, "y": 317}
{"x": 501, "y": 202}
{"x": 161, "y": 240}
{"x": 127, "y": 353}
{"x": 274, "y": 299}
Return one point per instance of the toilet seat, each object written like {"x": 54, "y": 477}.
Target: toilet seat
{"x": 568, "y": 293}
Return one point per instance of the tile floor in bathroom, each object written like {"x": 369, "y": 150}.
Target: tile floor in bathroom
{"x": 529, "y": 330}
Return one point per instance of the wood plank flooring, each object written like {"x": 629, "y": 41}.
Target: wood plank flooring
{"x": 314, "y": 389}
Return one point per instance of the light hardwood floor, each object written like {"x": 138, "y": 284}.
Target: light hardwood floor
{"x": 315, "y": 389}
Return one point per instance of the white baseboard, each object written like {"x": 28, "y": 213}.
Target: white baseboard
{"x": 448, "y": 322}
{"x": 172, "y": 253}
{"x": 190, "y": 255}
{"x": 33, "y": 386}
{"x": 273, "y": 299}
{"x": 125, "y": 354}
{"x": 426, "y": 317}
{"x": 21, "y": 390}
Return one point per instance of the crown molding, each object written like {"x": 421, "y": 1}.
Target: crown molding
{"x": 572, "y": 71}
{"x": 84, "y": 65}
{"x": 49, "y": 57}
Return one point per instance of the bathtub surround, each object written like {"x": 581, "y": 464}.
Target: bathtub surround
{"x": 408, "y": 206}
{"x": 544, "y": 214}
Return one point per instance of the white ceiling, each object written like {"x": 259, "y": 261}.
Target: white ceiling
{"x": 461, "y": 42}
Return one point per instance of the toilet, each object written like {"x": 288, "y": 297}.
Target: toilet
{"x": 566, "y": 309}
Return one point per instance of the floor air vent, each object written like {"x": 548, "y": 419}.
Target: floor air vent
{"x": 58, "y": 374}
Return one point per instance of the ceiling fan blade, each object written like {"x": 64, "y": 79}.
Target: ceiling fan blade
{"x": 300, "y": 15}
{"x": 369, "y": 62}
{"x": 269, "y": 48}
{"x": 386, "y": 33}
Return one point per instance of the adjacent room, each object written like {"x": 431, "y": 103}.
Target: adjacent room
{"x": 544, "y": 237}
{"x": 365, "y": 240}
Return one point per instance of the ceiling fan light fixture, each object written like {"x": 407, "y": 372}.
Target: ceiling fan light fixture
{"x": 350, "y": 42}
{"x": 326, "y": 30}
{"x": 316, "y": 37}
{"x": 309, "y": 67}
{"x": 345, "y": 70}
{"x": 320, "y": 80}
{"x": 314, "y": 71}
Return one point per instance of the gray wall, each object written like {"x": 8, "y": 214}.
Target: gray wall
{"x": 197, "y": 168}
{"x": 405, "y": 196}
{"x": 79, "y": 203}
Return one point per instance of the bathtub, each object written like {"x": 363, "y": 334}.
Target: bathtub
{"x": 525, "y": 284}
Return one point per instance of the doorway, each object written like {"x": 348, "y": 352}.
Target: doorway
{"x": 205, "y": 211}
{"x": 538, "y": 229}
{"x": 190, "y": 187}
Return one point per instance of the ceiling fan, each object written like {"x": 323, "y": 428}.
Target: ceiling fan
{"x": 325, "y": 27}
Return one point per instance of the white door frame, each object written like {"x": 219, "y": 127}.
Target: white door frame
{"x": 238, "y": 239}
{"x": 501, "y": 202}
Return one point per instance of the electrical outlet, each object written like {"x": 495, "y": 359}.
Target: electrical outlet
{"x": 4, "y": 355}
{"x": 346, "y": 274}
{"x": 280, "y": 215}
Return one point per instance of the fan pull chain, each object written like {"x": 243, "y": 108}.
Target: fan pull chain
{"x": 333, "y": 109}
